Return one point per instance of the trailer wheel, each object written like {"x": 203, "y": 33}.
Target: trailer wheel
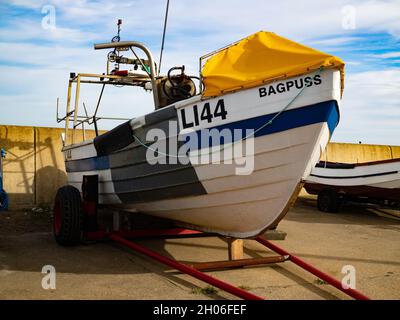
{"x": 329, "y": 201}
{"x": 67, "y": 220}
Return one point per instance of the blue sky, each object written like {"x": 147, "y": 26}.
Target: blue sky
{"x": 35, "y": 62}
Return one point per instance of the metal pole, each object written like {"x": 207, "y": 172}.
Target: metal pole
{"x": 98, "y": 101}
{"x": 95, "y": 126}
{"x": 67, "y": 111}
{"x": 301, "y": 263}
{"x": 225, "y": 264}
{"x": 78, "y": 87}
{"x": 186, "y": 269}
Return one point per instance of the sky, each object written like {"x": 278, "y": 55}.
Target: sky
{"x": 41, "y": 42}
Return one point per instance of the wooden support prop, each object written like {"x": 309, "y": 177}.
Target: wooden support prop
{"x": 235, "y": 248}
{"x": 213, "y": 265}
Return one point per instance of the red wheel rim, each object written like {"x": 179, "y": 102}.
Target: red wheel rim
{"x": 57, "y": 218}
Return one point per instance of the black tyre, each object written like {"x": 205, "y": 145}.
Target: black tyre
{"x": 67, "y": 220}
{"x": 329, "y": 201}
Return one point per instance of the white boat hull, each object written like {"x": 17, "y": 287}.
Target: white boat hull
{"x": 379, "y": 179}
{"x": 214, "y": 197}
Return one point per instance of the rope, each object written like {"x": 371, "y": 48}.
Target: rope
{"x": 243, "y": 139}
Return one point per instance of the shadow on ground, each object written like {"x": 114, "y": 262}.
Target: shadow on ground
{"x": 26, "y": 245}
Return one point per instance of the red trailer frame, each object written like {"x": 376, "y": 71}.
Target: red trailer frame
{"x": 121, "y": 237}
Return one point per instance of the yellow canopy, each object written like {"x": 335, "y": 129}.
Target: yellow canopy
{"x": 260, "y": 58}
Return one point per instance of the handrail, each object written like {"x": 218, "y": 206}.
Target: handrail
{"x": 153, "y": 71}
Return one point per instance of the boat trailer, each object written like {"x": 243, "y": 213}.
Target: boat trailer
{"x": 92, "y": 232}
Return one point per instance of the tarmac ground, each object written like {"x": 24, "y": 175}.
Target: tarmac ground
{"x": 358, "y": 237}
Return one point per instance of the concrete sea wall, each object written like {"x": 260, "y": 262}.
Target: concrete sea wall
{"x": 34, "y": 166}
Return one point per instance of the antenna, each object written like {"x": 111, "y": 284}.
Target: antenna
{"x": 117, "y": 38}
{"x": 163, "y": 37}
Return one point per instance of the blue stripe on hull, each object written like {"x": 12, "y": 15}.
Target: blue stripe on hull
{"x": 317, "y": 113}
{"x": 88, "y": 164}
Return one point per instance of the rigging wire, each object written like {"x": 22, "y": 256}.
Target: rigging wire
{"x": 163, "y": 37}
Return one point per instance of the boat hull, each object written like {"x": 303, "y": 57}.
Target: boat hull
{"x": 215, "y": 197}
{"x": 378, "y": 180}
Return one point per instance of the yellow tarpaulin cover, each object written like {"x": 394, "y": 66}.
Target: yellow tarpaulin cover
{"x": 259, "y": 58}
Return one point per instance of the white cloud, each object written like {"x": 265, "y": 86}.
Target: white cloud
{"x": 353, "y": 63}
{"x": 22, "y": 29}
{"x": 51, "y": 56}
{"x": 379, "y": 16}
{"x": 27, "y": 3}
{"x": 228, "y": 19}
{"x": 387, "y": 55}
{"x": 334, "y": 41}
{"x": 31, "y": 99}
{"x": 371, "y": 108}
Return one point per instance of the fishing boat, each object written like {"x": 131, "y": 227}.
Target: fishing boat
{"x": 335, "y": 182}
{"x": 265, "y": 106}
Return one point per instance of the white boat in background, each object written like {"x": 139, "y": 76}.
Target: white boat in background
{"x": 377, "y": 180}
{"x": 288, "y": 98}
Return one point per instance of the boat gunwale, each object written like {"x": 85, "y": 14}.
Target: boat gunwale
{"x": 361, "y": 164}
